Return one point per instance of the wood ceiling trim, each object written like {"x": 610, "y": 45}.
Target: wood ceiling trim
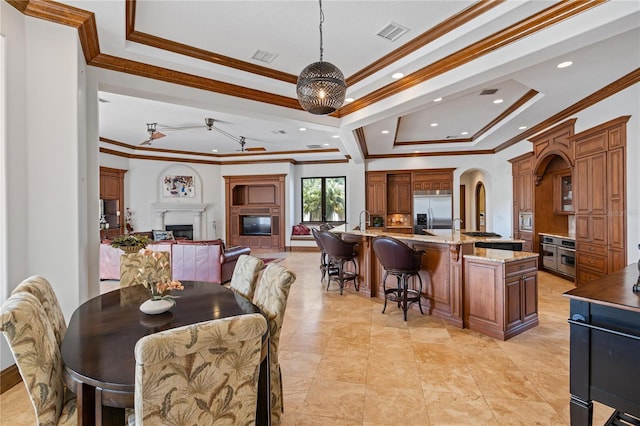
{"x": 238, "y": 154}
{"x": 194, "y": 52}
{"x": 66, "y": 15}
{"x": 321, "y": 162}
{"x": 154, "y": 158}
{"x": 114, "y": 63}
{"x": 544, "y": 19}
{"x": 611, "y": 89}
{"x": 362, "y": 141}
{"x": 425, "y": 38}
{"x": 430, "y": 154}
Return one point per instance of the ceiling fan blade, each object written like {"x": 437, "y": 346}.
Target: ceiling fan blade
{"x": 157, "y": 135}
{"x": 256, "y": 149}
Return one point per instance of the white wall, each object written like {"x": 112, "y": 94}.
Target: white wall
{"x": 46, "y": 155}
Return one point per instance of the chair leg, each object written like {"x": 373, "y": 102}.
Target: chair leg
{"x": 419, "y": 294}
{"x": 384, "y": 290}
{"x": 341, "y": 275}
{"x": 405, "y": 304}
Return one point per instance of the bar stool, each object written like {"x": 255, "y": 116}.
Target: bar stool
{"x": 403, "y": 262}
{"x": 339, "y": 252}
{"x": 326, "y": 268}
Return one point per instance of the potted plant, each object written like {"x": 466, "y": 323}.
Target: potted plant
{"x": 130, "y": 243}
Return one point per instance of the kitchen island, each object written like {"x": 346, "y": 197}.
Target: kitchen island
{"x": 444, "y": 280}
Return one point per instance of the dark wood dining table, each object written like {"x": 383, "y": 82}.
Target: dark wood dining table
{"x": 98, "y": 348}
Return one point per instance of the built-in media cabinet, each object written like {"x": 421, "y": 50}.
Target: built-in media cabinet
{"x": 255, "y": 211}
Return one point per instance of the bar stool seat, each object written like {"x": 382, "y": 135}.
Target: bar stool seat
{"x": 338, "y": 253}
{"x": 403, "y": 262}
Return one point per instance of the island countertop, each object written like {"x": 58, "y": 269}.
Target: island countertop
{"x": 501, "y": 256}
{"x": 445, "y": 236}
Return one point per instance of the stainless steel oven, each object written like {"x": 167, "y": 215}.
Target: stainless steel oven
{"x": 550, "y": 256}
{"x": 567, "y": 261}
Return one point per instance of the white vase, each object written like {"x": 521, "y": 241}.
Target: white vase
{"x": 158, "y": 306}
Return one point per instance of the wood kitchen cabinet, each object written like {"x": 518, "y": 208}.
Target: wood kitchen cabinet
{"x": 426, "y": 180}
{"x": 599, "y": 188}
{"x": 523, "y": 184}
{"x": 399, "y": 194}
{"x": 500, "y": 298}
{"x": 376, "y": 201}
{"x": 563, "y": 193}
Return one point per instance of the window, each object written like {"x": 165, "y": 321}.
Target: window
{"x": 323, "y": 199}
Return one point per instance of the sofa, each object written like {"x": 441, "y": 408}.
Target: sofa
{"x": 207, "y": 261}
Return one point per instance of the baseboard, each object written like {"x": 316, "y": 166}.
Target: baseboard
{"x": 303, "y": 248}
{"x": 9, "y": 377}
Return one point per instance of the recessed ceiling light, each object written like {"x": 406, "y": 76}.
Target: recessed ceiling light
{"x": 335, "y": 136}
{"x": 384, "y": 132}
{"x": 303, "y": 129}
{"x": 437, "y": 99}
{"x": 522, "y": 127}
{"x": 464, "y": 133}
{"x": 326, "y": 144}
{"x": 417, "y": 152}
{"x": 397, "y": 75}
{"x": 565, "y": 64}
{"x": 498, "y": 101}
{"x": 214, "y": 150}
{"x": 434, "y": 124}
{"x": 348, "y": 100}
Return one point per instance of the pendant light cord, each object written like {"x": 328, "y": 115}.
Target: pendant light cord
{"x": 321, "y": 21}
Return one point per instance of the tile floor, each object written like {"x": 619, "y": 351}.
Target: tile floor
{"x": 346, "y": 363}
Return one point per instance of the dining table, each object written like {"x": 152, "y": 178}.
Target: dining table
{"x": 98, "y": 347}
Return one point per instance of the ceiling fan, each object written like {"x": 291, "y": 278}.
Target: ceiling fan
{"x": 152, "y": 129}
{"x": 209, "y": 124}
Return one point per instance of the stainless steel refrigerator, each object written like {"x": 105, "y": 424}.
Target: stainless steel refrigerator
{"x": 432, "y": 210}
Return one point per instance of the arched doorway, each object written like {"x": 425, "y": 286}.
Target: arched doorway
{"x": 481, "y": 208}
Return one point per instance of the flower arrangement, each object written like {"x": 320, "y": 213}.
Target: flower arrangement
{"x": 153, "y": 275}
{"x": 130, "y": 241}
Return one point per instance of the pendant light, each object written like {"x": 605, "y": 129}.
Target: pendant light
{"x": 321, "y": 87}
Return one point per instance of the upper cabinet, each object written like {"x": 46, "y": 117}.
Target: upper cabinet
{"x": 112, "y": 196}
{"x": 376, "y": 193}
{"x": 399, "y": 194}
{"x": 563, "y": 193}
{"x": 427, "y": 180}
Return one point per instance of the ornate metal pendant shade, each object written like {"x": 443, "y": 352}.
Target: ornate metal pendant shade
{"x": 321, "y": 87}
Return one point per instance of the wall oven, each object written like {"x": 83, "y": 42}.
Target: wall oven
{"x": 558, "y": 254}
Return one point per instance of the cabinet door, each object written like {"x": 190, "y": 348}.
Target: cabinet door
{"x": 591, "y": 181}
{"x": 591, "y": 229}
{"x": 376, "y": 198}
{"x": 513, "y": 301}
{"x": 530, "y": 293}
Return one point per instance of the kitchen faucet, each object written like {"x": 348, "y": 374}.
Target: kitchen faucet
{"x": 453, "y": 224}
{"x": 367, "y": 222}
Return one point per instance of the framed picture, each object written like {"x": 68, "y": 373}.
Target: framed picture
{"x": 178, "y": 186}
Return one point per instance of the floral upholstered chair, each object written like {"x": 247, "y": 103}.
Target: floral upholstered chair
{"x": 33, "y": 344}
{"x": 41, "y": 288}
{"x": 145, "y": 267}
{"x": 203, "y": 374}
{"x": 245, "y": 275}
{"x": 271, "y": 296}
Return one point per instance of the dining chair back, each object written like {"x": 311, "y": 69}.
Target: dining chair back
{"x": 26, "y": 327}
{"x": 138, "y": 268}
{"x": 205, "y": 373}
{"x": 245, "y": 275}
{"x": 271, "y": 297}
{"x": 41, "y": 288}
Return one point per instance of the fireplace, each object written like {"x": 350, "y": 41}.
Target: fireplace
{"x": 181, "y": 231}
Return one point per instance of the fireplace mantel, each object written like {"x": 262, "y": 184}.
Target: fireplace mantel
{"x": 160, "y": 209}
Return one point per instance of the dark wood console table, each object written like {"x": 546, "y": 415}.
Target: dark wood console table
{"x": 605, "y": 346}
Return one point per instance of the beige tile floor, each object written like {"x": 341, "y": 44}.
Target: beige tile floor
{"x": 346, "y": 363}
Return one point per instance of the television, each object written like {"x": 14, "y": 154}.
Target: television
{"x": 256, "y": 225}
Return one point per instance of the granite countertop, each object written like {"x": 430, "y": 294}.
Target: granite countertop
{"x": 558, "y": 235}
{"x": 444, "y": 236}
{"x": 502, "y": 256}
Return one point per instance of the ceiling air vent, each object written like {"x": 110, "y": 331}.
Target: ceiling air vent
{"x": 392, "y": 31}
{"x": 263, "y": 56}
{"x": 314, "y": 146}
{"x": 279, "y": 132}
{"x": 488, "y": 92}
